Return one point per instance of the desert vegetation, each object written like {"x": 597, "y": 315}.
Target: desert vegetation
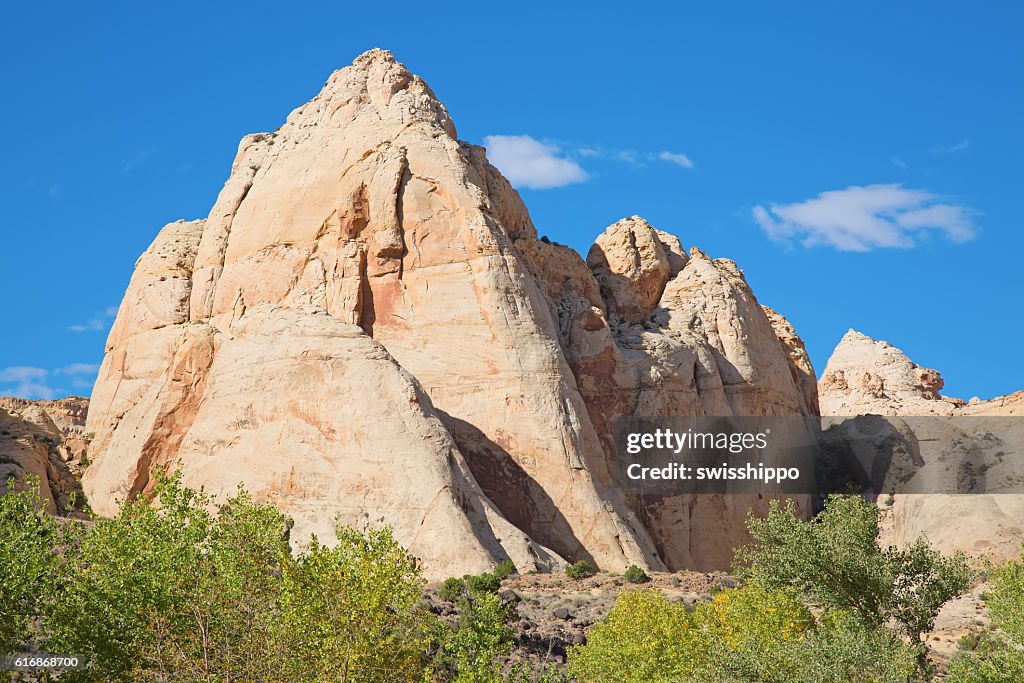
{"x": 169, "y": 591}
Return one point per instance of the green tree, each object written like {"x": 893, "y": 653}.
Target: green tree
{"x": 836, "y": 561}
{"x": 352, "y": 612}
{"x": 29, "y": 541}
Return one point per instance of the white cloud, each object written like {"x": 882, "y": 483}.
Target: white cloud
{"x": 21, "y": 373}
{"x": 864, "y": 218}
{"x": 898, "y": 162}
{"x": 35, "y": 383}
{"x": 78, "y": 369}
{"x": 529, "y": 163}
{"x": 676, "y": 158}
{"x": 93, "y": 325}
{"x": 28, "y": 382}
{"x": 97, "y": 324}
{"x": 961, "y": 146}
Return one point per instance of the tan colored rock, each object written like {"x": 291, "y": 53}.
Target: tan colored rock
{"x": 366, "y": 326}
{"x": 865, "y": 376}
{"x": 632, "y": 267}
{"x": 363, "y": 209}
{"x": 32, "y": 444}
{"x": 708, "y": 349}
{"x": 799, "y": 361}
{"x": 868, "y": 376}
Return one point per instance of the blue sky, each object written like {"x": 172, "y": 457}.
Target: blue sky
{"x": 860, "y": 161}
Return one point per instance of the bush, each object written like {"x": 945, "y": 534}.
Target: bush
{"x": 452, "y": 589}
{"x": 997, "y": 658}
{"x": 29, "y": 539}
{"x": 744, "y": 634}
{"x": 455, "y": 588}
{"x": 579, "y": 570}
{"x": 470, "y": 652}
{"x": 636, "y": 575}
{"x": 506, "y": 569}
{"x": 174, "y": 592}
{"x": 836, "y": 561}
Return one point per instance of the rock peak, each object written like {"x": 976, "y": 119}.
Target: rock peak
{"x": 868, "y": 375}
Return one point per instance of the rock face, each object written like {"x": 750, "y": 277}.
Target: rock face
{"x": 46, "y": 440}
{"x": 865, "y": 376}
{"x": 367, "y": 328}
{"x": 868, "y": 376}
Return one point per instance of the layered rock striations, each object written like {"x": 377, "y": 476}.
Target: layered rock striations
{"x": 366, "y": 328}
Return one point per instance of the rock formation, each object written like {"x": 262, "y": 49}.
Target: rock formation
{"x": 45, "y": 440}
{"x": 366, "y": 327}
{"x": 866, "y": 376}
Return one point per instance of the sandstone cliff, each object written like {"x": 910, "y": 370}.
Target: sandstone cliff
{"x": 367, "y": 328}
{"x": 866, "y": 376}
{"x": 46, "y": 440}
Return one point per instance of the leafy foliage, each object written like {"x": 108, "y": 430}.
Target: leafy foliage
{"x": 997, "y": 658}
{"x": 453, "y": 589}
{"x": 29, "y": 539}
{"x": 836, "y": 561}
{"x": 635, "y": 574}
{"x": 748, "y": 634}
{"x": 471, "y": 651}
{"x": 170, "y": 591}
{"x": 766, "y": 631}
{"x": 579, "y": 570}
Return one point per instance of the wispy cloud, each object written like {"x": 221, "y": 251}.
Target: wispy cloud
{"x": 78, "y": 369}
{"x": 535, "y": 164}
{"x": 26, "y": 382}
{"x": 137, "y": 156}
{"x": 961, "y": 146}
{"x": 97, "y": 323}
{"x": 676, "y": 158}
{"x": 92, "y": 325}
{"x": 55, "y": 190}
{"x": 38, "y": 383}
{"x": 530, "y": 163}
{"x": 898, "y": 162}
{"x": 865, "y": 218}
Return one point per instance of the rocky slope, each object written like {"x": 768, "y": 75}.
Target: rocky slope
{"x": 866, "y": 376}
{"x": 46, "y": 440}
{"x": 366, "y": 327}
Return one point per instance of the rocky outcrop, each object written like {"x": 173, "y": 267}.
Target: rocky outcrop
{"x": 45, "y": 440}
{"x": 366, "y": 327}
{"x": 866, "y": 376}
{"x": 869, "y": 376}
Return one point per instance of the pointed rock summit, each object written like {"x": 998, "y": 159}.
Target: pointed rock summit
{"x": 869, "y": 376}
{"x": 366, "y": 329}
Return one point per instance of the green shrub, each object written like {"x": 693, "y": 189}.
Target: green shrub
{"x": 455, "y": 588}
{"x": 579, "y": 570}
{"x": 506, "y": 569}
{"x": 470, "y": 652}
{"x": 29, "y": 539}
{"x": 998, "y": 657}
{"x": 748, "y": 634}
{"x": 634, "y": 574}
{"x": 483, "y": 583}
{"x": 452, "y": 589}
{"x": 216, "y": 597}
